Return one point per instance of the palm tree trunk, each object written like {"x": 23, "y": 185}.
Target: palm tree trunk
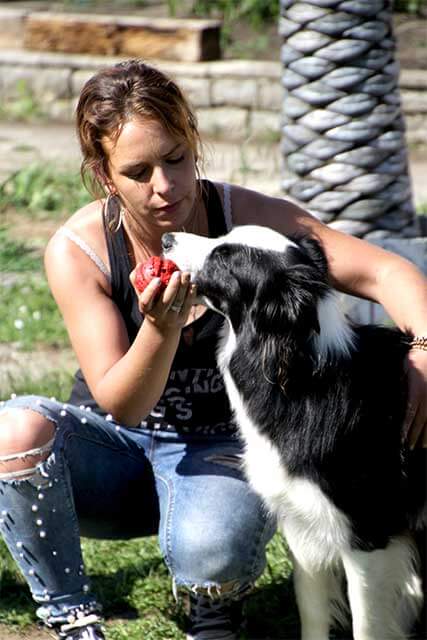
{"x": 344, "y": 143}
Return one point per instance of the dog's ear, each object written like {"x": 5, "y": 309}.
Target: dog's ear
{"x": 284, "y": 307}
{"x": 313, "y": 253}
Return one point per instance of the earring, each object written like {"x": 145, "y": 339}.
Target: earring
{"x": 114, "y": 212}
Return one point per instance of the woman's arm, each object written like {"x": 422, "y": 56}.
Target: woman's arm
{"x": 356, "y": 267}
{"x": 361, "y": 269}
{"x": 125, "y": 380}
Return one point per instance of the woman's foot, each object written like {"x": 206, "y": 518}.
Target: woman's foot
{"x": 214, "y": 618}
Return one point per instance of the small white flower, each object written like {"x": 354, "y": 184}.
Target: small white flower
{"x": 23, "y": 309}
{"x": 19, "y": 324}
{"x": 37, "y": 315}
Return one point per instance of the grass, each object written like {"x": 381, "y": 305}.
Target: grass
{"x": 42, "y": 191}
{"x": 29, "y": 316}
{"x": 15, "y": 255}
{"x": 134, "y": 586}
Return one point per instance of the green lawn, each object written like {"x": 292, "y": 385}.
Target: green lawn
{"x": 134, "y": 586}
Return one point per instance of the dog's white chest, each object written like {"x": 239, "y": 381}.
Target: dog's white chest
{"x": 314, "y": 528}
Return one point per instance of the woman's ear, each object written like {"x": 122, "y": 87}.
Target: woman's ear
{"x": 103, "y": 178}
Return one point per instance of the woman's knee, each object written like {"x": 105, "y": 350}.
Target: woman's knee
{"x": 210, "y": 557}
{"x": 26, "y": 439}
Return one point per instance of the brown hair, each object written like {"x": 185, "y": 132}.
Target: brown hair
{"x": 116, "y": 94}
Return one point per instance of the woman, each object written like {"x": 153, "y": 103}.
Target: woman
{"x": 146, "y": 442}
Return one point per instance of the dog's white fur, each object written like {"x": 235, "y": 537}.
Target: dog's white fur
{"x": 383, "y": 588}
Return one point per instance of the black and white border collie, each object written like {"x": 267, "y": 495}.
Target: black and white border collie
{"x": 320, "y": 404}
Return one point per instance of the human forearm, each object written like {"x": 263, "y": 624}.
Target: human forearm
{"x": 402, "y": 290}
{"x": 135, "y": 383}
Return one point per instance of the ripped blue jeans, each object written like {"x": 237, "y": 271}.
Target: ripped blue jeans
{"x": 103, "y": 480}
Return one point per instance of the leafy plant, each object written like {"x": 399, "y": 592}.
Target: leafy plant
{"x": 44, "y": 189}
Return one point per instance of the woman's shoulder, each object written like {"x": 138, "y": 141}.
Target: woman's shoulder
{"x": 79, "y": 237}
{"x": 254, "y": 207}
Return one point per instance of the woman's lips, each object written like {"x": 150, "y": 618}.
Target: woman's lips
{"x": 170, "y": 208}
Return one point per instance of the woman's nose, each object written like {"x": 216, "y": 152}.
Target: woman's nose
{"x": 162, "y": 181}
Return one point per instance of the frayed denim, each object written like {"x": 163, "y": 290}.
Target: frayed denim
{"x": 104, "y": 480}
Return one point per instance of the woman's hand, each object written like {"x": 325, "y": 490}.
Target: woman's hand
{"x": 416, "y": 416}
{"x": 170, "y": 308}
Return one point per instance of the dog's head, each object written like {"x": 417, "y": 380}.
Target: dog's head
{"x": 254, "y": 274}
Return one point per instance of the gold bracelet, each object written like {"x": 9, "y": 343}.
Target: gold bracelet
{"x": 419, "y": 342}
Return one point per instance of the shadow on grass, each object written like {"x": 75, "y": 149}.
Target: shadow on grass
{"x": 271, "y": 609}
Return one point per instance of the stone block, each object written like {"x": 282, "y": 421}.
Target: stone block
{"x": 414, "y": 101}
{"x": 270, "y": 94}
{"x": 223, "y": 123}
{"x": 236, "y": 92}
{"x": 264, "y": 126}
{"x": 416, "y": 128}
{"x": 197, "y": 90}
{"x": 44, "y": 84}
{"x": 413, "y": 79}
{"x": 79, "y": 79}
{"x": 161, "y": 38}
{"x": 245, "y": 69}
{"x": 61, "y": 110}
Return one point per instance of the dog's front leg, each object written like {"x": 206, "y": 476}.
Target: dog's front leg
{"x": 312, "y": 595}
{"x": 384, "y": 590}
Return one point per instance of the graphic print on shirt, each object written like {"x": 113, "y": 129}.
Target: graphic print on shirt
{"x": 192, "y": 400}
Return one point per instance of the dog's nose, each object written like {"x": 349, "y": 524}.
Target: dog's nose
{"x": 167, "y": 241}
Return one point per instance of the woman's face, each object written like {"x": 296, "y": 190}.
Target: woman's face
{"x": 153, "y": 173}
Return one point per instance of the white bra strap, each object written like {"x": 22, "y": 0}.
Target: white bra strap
{"x": 65, "y": 231}
{"x": 227, "y": 206}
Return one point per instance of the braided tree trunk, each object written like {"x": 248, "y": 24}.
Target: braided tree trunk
{"x": 343, "y": 132}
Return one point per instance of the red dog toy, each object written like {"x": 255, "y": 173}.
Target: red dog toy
{"x": 154, "y": 267}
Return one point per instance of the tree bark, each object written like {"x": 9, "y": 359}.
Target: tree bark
{"x": 343, "y": 135}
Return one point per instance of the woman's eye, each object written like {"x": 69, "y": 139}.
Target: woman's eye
{"x": 139, "y": 175}
{"x": 176, "y": 160}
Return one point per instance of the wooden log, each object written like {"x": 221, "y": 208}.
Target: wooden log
{"x": 129, "y": 36}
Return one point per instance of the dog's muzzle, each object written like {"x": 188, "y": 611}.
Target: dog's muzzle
{"x": 168, "y": 242}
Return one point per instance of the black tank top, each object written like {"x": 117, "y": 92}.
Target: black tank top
{"x": 194, "y": 400}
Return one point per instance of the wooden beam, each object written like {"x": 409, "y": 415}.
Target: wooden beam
{"x": 129, "y": 36}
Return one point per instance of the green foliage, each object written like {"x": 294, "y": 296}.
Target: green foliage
{"x": 52, "y": 384}
{"x": 410, "y": 6}
{"x": 44, "y": 189}
{"x": 255, "y": 11}
{"x": 29, "y": 315}
{"x": 24, "y": 106}
{"x": 17, "y": 256}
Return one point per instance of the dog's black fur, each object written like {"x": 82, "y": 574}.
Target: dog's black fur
{"x": 337, "y": 419}
{"x": 334, "y": 414}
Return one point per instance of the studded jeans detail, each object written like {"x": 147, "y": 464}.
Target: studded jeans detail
{"x": 107, "y": 481}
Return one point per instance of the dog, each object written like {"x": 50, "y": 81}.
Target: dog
{"x": 320, "y": 404}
